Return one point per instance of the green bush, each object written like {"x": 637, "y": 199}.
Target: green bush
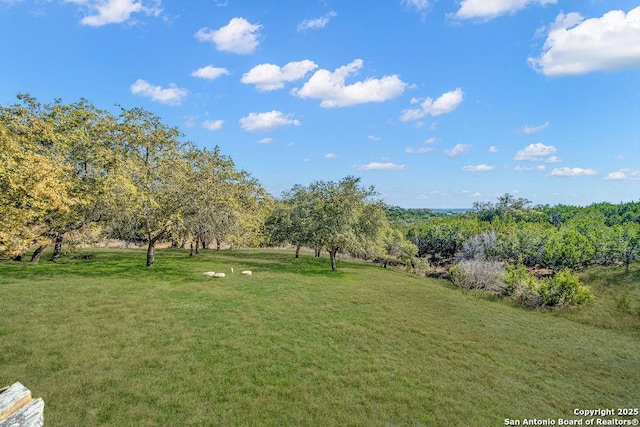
{"x": 517, "y": 276}
{"x": 561, "y": 290}
{"x": 564, "y": 289}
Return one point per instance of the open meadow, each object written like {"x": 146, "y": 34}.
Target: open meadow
{"x": 107, "y": 341}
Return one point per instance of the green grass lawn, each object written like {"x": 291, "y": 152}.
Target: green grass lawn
{"x": 107, "y": 341}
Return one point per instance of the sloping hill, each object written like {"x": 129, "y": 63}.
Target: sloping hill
{"x": 108, "y": 342}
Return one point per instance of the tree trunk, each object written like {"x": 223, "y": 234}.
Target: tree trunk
{"x": 217, "y": 244}
{"x": 57, "y": 246}
{"x": 151, "y": 252}
{"x": 332, "y": 257}
{"x": 205, "y": 244}
{"x": 297, "y": 251}
{"x": 18, "y": 257}
{"x": 318, "y": 252}
{"x": 191, "y": 248}
{"x": 197, "y": 245}
{"x": 36, "y": 255}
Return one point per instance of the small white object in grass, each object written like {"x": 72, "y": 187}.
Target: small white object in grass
{"x": 219, "y": 275}
{"x": 209, "y": 273}
{"x": 247, "y": 272}
{"x": 231, "y": 269}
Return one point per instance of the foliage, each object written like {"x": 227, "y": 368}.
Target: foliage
{"x": 66, "y": 166}
{"x": 507, "y": 207}
{"x": 479, "y": 275}
{"x": 443, "y": 237}
{"x": 33, "y": 189}
{"x": 479, "y": 247}
{"x": 568, "y": 248}
{"x": 397, "y": 249}
{"x": 398, "y": 215}
{"x": 336, "y": 216}
{"x": 422, "y": 267}
{"x": 561, "y": 290}
{"x": 551, "y": 237}
{"x": 564, "y": 289}
{"x": 523, "y": 242}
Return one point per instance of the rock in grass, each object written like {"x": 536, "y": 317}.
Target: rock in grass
{"x": 219, "y": 275}
{"x": 209, "y": 273}
{"x": 247, "y": 272}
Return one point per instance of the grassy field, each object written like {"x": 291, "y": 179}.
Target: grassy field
{"x": 107, "y": 341}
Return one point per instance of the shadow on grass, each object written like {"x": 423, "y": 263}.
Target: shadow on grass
{"x": 176, "y": 265}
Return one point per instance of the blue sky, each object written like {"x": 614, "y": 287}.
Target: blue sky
{"x": 437, "y": 103}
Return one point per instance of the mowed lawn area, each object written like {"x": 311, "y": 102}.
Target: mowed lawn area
{"x": 106, "y": 341}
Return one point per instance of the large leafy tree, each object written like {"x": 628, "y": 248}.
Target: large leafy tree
{"x": 336, "y": 216}
{"x": 146, "y": 191}
{"x": 75, "y": 139}
{"x": 344, "y": 218}
{"x": 87, "y": 147}
{"x": 291, "y": 221}
{"x": 33, "y": 190}
{"x": 220, "y": 202}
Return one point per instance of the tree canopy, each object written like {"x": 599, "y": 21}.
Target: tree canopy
{"x": 64, "y": 166}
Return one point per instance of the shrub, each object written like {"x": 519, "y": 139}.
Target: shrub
{"x": 528, "y": 294}
{"x": 422, "y": 267}
{"x": 561, "y": 290}
{"x": 479, "y": 247}
{"x": 517, "y": 276}
{"x": 564, "y": 289}
{"x": 479, "y": 275}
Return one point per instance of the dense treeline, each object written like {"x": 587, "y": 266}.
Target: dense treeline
{"x": 497, "y": 247}
{"x": 65, "y": 167}
{"x": 554, "y": 237}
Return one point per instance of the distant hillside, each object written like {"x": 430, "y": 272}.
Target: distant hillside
{"x": 400, "y": 215}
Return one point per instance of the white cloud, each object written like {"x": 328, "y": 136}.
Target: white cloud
{"x": 535, "y": 152}
{"x": 265, "y": 141}
{"x": 619, "y": 157}
{"x": 477, "y": 168}
{"x": 238, "y": 36}
{"x": 419, "y": 5}
{"x": 330, "y": 156}
{"x": 380, "y": 166}
{"x": 624, "y": 174}
{"x": 210, "y": 72}
{"x": 457, "y": 149}
{"x": 573, "y": 172}
{"x": 553, "y": 159}
{"x": 534, "y": 129}
{"x": 330, "y": 87}
{"x": 493, "y": 149}
{"x": 530, "y": 168}
{"x": 374, "y": 138}
{"x": 212, "y": 124}
{"x": 268, "y": 77}
{"x": 316, "y": 24}
{"x": 173, "y": 95}
{"x": 446, "y": 103}
{"x": 103, "y": 12}
{"x": 489, "y": 9}
{"x": 420, "y": 150}
{"x": 264, "y": 122}
{"x": 577, "y": 46}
